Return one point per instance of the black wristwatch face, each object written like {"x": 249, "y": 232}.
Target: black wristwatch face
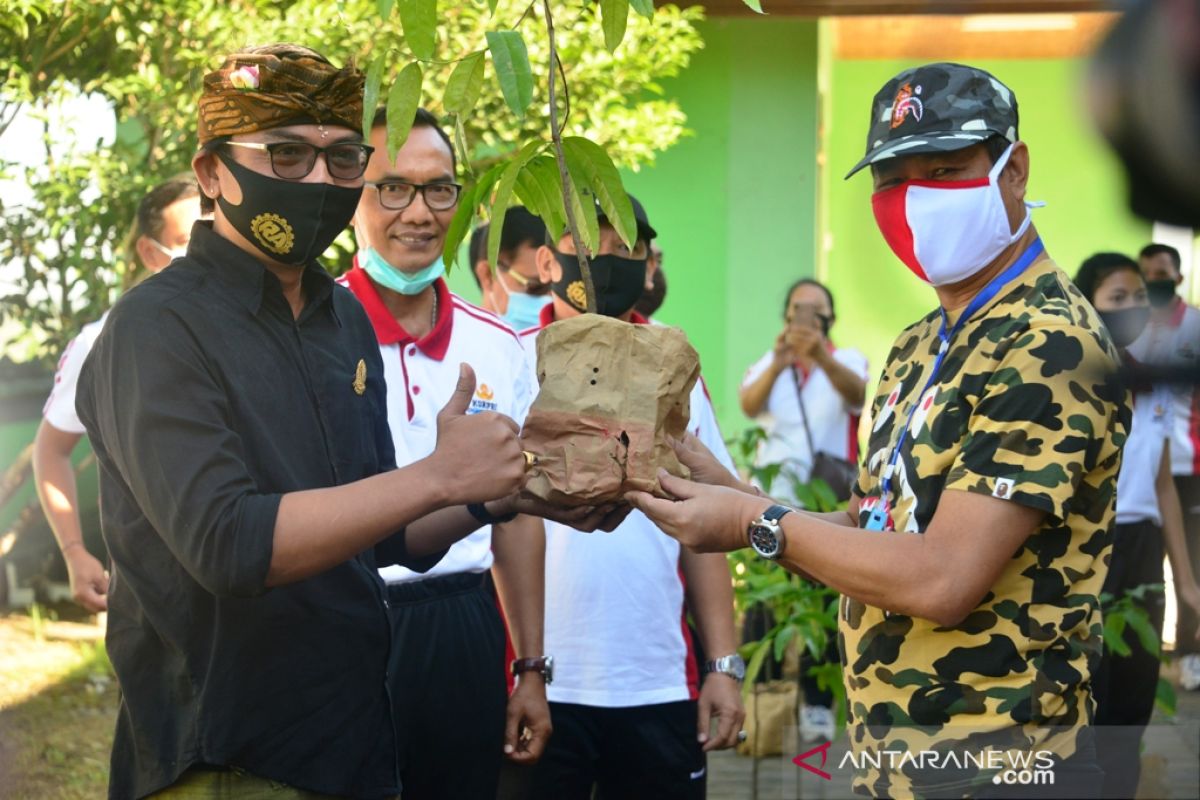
{"x": 764, "y": 541}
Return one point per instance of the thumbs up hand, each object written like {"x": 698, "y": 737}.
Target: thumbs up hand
{"x": 478, "y": 457}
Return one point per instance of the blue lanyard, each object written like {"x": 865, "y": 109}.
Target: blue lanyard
{"x": 879, "y": 514}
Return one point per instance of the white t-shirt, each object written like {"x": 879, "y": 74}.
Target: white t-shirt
{"x": 833, "y": 421}
{"x": 615, "y": 601}
{"x": 421, "y": 376}
{"x": 59, "y": 410}
{"x": 1137, "y": 498}
{"x": 1177, "y": 343}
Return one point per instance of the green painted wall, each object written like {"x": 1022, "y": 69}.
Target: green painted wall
{"x": 1070, "y": 169}
{"x": 735, "y": 205}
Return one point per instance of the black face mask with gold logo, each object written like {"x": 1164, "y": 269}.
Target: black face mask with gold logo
{"x": 619, "y": 282}
{"x": 288, "y": 221}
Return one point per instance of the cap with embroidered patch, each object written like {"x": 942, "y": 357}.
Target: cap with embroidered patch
{"x": 938, "y": 108}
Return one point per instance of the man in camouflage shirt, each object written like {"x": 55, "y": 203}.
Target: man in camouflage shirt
{"x": 974, "y": 548}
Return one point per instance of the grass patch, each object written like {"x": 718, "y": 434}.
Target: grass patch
{"x": 58, "y": 703}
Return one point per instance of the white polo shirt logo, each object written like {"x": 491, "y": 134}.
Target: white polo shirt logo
{"x": 484, "y": 400}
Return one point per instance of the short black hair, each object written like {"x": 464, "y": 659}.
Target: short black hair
{"x": 423, "y": 119}
{"x": 1156, "y": 249}
{"x": 1096, "y": 268}
{"x": 787, "y": 298}
{"x": 477, "y": 250}
{"x": 521, "y": 226}
{"x": 995, "y": 146}
{"x": 149, "y": 220}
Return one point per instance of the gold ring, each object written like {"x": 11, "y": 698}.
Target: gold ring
{"x": 530, "y": 458}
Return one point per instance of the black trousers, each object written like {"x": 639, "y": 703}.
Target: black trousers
{"x": 637, "y": 753}
{"x": 1186, "y": 620}
{"x": 1125, "y": 686}
{"x": 448, "y": 687}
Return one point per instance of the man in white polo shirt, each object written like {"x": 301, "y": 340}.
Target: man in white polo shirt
{"x": 630, "y": 714}
{"x": 448, "y": 672}
{"x": 1172, "y": 340}
{"x": 160, "y": 233}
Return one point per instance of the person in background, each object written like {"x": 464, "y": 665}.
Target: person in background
{"x": 808, "y": 396}
{"x": 1172, "y": 339}
{"x": 805, "y": 387}
{"x": 448, "y": 675}
{"x": 630, "y": 714}
{"x": 513, "y": 291}
{"x": 1148, "y": 514}
{"x": 160, "y": 233}
{"x": 655, "y": 293}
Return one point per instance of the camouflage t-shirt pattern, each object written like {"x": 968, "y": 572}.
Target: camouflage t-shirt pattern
{"x": 1023, "y": 409}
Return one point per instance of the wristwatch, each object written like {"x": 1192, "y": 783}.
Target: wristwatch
{"x": 766, "y": 537}
{"x": 544, "y": 665}
{"x": 479, "y": 511}
{"x": 732, "y": 665}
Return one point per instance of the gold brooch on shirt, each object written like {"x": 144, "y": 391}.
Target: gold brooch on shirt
{"x": 360, "y": 377}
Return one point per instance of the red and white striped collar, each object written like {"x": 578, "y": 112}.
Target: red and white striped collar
{"x": 388, "y": 330}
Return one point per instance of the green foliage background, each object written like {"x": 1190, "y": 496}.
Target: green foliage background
{"x": 64, "y": 248}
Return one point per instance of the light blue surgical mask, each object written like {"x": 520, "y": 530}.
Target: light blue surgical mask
{"x": 525, "y": 310}
{"x": 389, "y": 277}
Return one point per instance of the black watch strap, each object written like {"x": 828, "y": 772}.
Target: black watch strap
{"x": 479, "y": 511}
{"x": 776, "y": 513}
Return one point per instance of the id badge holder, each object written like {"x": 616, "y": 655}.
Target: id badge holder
{"x": 877, "y": 521}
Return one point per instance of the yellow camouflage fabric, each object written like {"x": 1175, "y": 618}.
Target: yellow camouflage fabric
{"x": 1025, "y": 409}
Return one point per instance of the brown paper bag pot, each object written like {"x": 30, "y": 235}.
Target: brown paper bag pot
{"x": 611, "y": 393}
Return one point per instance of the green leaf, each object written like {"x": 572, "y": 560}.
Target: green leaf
{"x": 595, "y": 170}
{"x": 754, "y": 666}
{"x": 583, "y": 207}
{"x": 643, "y": 7}
{"x": 492, "y": 6}
{"x": 504, "y": 190}
{"x": 1140, "y": 623}
{"x": 755, "y": 6}
{"x": 783, "y": 640}
{"x": 371, "y": 93}
{"x": 1114, "y": 634}
{"x": 614, "y": 16}
{"x": 465, "y": 214}
{"x": 1164, "y": 697}
{"x": 402, "y": 103}
{"x": 419, "y": 20}
{"x": 826, "y": 499}
{"x": 539, "y": 188}
{"x": 511, "y": 61}
{"x": 464, "y": 85}
{"x": 385, "y": 8}
{"x": 460, "y": 142}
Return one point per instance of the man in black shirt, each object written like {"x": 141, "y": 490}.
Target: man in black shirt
{"x": 236, "y": 405}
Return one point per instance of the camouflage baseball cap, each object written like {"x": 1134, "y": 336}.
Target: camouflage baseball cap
{"x": 938, "y": 108}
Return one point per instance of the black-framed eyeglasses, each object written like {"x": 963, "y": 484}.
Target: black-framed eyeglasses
{"x": 346, "y": 161}
{"x": 396, "y": 195}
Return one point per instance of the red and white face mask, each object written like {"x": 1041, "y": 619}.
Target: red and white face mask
{"x": 946, "y": 231}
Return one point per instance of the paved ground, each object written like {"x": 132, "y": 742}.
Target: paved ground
{"x": 1170, "y": 764}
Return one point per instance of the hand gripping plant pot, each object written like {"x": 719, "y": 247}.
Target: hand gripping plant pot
{"x": 611, "y": 394}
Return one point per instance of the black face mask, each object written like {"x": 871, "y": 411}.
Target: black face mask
{"x": 1126, "y": 324}
{"x": 1160, "y": 293}
{"x": 619, "y": 282}
{"x": 288, "y": 221}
